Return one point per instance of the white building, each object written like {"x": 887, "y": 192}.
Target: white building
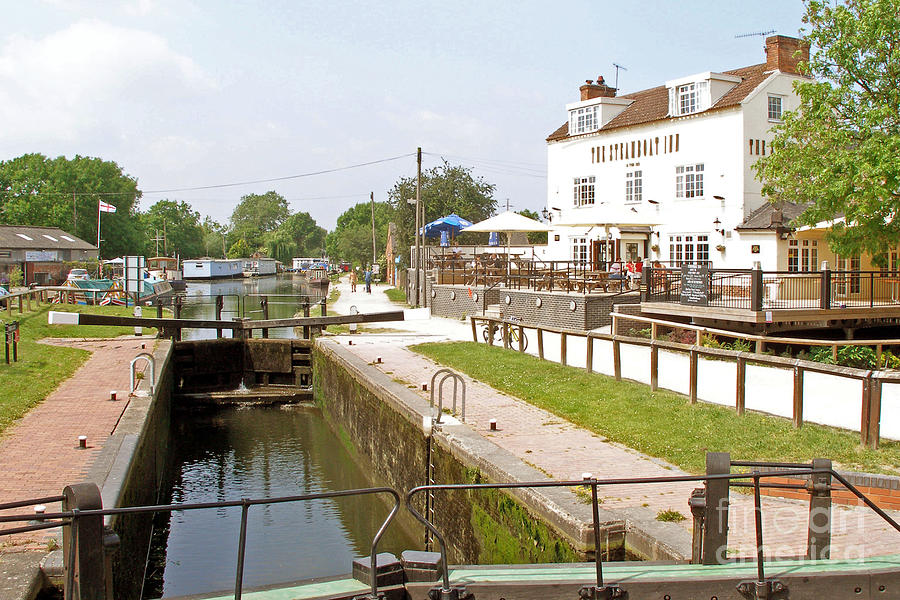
{"x": 665, "y": 173}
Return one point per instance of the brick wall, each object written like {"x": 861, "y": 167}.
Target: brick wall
{"x": 555, "y": 310}
{"x": 883, "y": 490}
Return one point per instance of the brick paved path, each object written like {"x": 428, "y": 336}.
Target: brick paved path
{"x": 39, "y": 455}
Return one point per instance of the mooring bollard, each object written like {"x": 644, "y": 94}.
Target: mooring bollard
{"x": 82, "y": 442}
{"x": 493, "y": 424}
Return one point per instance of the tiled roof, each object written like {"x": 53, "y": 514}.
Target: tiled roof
{"x": 761, "y": 218}
{"x": 653, "y": 104}
{"x": 42, "y": 238}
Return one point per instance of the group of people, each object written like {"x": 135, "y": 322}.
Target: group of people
{"x": 632, "y": 272}
{"x": 367, "y": 276}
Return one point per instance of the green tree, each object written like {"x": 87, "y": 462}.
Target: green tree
{"x": 839, "y": 154}
{"x": 214, "y": 237}
{"x": 64, "y": 193}
{"x": 178, "y": 225}
{"x": 240, "y": 249}
{"x": 446, "y": 189}
{"x": 351, "y": 239}
{"x": 256, "y": 215}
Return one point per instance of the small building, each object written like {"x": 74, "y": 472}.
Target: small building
{"x": 41, "y": 253}
{"x": 213, "y": 268}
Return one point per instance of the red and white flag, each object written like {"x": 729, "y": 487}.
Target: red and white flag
{"x": 108, "y": 208}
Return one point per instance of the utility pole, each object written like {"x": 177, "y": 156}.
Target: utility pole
{"x": 156, "y": 239}
{"x": 165, "y": 244}
{"x": 418, "y": 208}
{"x": 74, "y": 215}
{"x": 372, "y": 197}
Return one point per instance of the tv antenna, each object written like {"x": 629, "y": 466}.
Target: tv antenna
{"x": 755, "y": 33}
{"x": 618, "y": 66}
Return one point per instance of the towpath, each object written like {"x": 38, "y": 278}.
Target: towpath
{"x": 565, "y": 451}
{"x": 40, "y": 454}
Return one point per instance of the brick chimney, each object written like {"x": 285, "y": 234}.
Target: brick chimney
{"x": 591, "y": 90}
{"x": 780, "y": 51}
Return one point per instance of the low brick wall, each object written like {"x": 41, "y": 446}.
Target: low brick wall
{"x": 883, "y": 490}
{"x": 551, "y": 309}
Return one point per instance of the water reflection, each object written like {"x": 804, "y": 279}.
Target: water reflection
{"x": 241, "y": 298}
{"x": 235, "y": 453}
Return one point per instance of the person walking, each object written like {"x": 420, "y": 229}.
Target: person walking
{"x": 352, "y": 281}
{"x": 369, "y": 280}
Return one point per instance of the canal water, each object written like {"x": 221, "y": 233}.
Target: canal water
{"x": 242, "y": 299}
{"x": 229, "y": 453}
{"x": 233, "y": 453}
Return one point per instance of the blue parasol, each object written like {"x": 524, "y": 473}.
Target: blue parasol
{"x": 451, "y": 224}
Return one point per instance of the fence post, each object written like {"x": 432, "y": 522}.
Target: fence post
{"x": 870, "y": 423}
{"x": 818, "y": 540}
{"x": 756, "y": 288}
{"x": 474, "y": 330}
{"x": 306, "y": 329}
{"x": 693, "y": 375}
{"x": 646, "y": 278}
{"x": 540, "y": 342}
{"x": 220, "y": 304}
{"x": 589, "y": 359}
{"x": 562, "y": 348}
{"x": 521, "y": 339}
{"x": 264, "y": 302}
{"x": 825, "y": 286}
{"x": 83, "y": 553}
{"x": 617, "y": 358}
{"x": 654, "y": 366}
{"x": 798, "y": 396}
{"x": 740, "y": 386}
{"x": 715, "y": 520}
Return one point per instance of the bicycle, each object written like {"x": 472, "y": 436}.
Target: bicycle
{"x": 493, "y": 331}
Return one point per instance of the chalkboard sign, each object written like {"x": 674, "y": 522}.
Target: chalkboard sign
{"x": 695, "y": 285}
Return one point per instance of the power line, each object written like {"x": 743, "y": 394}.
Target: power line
{"x": 484, "y": 164}
{"x": 217, "y": 186}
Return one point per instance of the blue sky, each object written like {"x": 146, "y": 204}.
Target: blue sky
{"x": 188, "y": 93}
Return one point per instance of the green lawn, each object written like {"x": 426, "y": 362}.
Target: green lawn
{"x": 661, "y": 424}
{"x": 396, "y": 295}
{"x": 41, "y": 368}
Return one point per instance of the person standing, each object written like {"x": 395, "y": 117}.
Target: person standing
{"x": 352, "y": 281}
{"x": 369, "y": 280}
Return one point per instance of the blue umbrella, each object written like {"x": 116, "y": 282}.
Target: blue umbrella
{"x": 451, "y": 224}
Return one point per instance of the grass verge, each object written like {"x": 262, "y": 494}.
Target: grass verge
{"x": 396, "y": 295}
{"x": 41, "y": 368}
{"x": 661, "y": 424}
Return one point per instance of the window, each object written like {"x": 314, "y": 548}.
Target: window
{"x": 689, "y": 181}
{"x": 25, "y": 237}
{"x": 584, "y": 191}
{"x": 633, "y": 186}
{"x": 580, "y": 250}
{"x": 774, "y": 108}
{"x": 689, "y": 98}
{"x": 689, "y": 248}
{"x": 67, "y": 238}
{"x": 50, "y": 237}
{"x": 583, "y": 120}
{"x": 803, "y": 256}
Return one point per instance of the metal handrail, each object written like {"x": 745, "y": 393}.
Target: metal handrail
{"x": 66, "y": 518}
{"x": 756, "y": 476}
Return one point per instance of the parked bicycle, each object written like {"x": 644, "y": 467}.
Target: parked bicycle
{"x": 495, "y": 332}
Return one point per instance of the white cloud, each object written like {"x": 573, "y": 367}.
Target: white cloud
{"x": 90, "y": 76}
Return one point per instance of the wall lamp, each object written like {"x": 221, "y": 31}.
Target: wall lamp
{"x": 717, "y": 226}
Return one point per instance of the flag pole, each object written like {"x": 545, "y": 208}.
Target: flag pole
{"x": 98, "y": 231}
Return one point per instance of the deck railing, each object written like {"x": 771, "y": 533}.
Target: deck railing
{"x": 579, "y": 277}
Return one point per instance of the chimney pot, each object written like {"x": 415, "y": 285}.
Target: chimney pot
{"x": 589, "y": 81}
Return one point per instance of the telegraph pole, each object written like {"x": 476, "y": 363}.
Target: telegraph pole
{"x": 418, "y": 208}
{"x": 372, "y": 197}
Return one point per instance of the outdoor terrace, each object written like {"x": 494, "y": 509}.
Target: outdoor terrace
{"x": 774, "y": 300}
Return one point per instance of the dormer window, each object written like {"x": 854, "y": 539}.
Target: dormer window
{"x": 689, "y": 98}
{"x": 583, "y": 120}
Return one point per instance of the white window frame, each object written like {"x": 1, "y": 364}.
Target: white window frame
{"x": 634, "y": 186}
{"x": 584, "y": 191}
{"x": 583, "y": 120}
{"x": 689, "y": 98}
{"x": 774, "y": 114}
{"x": 689, "y": 248}
{"x": 689, "y": 181}
{"x": 580, "y": 250}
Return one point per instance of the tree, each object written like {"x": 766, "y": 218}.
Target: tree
{"x": 351, "y": 239}
{"x": 64, "y": 193}
{"x": 239, "y": 249}
{"x": 181, "y": 226}
{"x": 446, "y": 189}
{"x": 256, "y": 215}
{"x": 214, "y": 235}
{"x": 839, "y": 154}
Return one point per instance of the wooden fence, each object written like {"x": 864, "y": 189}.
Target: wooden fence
{"x": 872, "y": 380}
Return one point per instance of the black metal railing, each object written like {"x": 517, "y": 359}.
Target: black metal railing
{"x": 539, "y": 275}
{"x": 72, "y": 519}
{"x": 601, "y": 589}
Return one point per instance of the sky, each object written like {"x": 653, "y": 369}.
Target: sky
{"x": 199, "y": 93}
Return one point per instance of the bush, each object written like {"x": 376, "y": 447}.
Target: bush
{"x": 861, "y": 357}
{"x": 741, "y": 345}
{"x": 710, "y": 341}
{"x": 16, "y": 277}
